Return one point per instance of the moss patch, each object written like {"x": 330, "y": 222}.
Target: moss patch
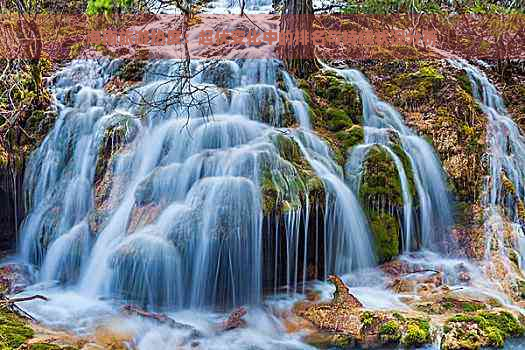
{"x": 482, "y": 329}
{"x": 417, "y": 333}
{"x": 288, "y": 179}
{"x": 13, "y": 331}
{"x": 381, "y": 184}
{"x": 441, "y": 109}
{"x": 390, "y": 332}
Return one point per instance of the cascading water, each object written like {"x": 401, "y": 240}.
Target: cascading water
{"x": 506, "y": 145}
{"x": 380, "y": 121}
{"x": 506, "y": 154}
{"x": 201, "y": 179}
{"x": 347, "y": 235}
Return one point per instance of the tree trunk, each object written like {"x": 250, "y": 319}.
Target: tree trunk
{"x": 298, "y": 17}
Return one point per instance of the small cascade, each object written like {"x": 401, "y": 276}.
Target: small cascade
{"x": 506, "y": 144}
{"x": 385, "y": 128}
{"x": 504, "y": 187}
{"x": 347, "y": 235}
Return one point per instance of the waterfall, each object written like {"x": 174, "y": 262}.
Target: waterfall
{"x": 176, "y": 219}
{"x": 347, "y": 234}
{"x": 506, "y": 154}
{"x": 506, "y": 145}
{"x": 380, "y": 121}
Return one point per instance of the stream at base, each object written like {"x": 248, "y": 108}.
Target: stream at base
{"x": 268, "y": 325}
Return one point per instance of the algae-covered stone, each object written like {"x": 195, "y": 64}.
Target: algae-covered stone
{"x": 334, "y": 94}
{"x": 385, "y": 229}
{"x": 390, "y": 332}
{"x": 13, "y": 331}
{"x": 416, "y": 333}
{"x": 471, "y": 332}
{"x": 351, "y": 137}
{"x": 381, "y": 184}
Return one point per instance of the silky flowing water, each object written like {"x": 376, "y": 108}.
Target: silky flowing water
{"x": 203, "y": 173}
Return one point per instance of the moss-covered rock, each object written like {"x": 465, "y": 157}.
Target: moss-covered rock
{"x": 46, "y": 346}
{"x": 351, "y": 136}
{"x": 390, "y": 332}
{"x": 13, "y": 331}
{"x": 385, "y": 228}
{"x": 380, "y": 177}
{"x": 331, "y": 90}
{"x": 416, "y": 333}
{"x": 327, "y": 340}
{"x": 287, "y": 178}
{"x": 471, "y": 332}
{"x": 381, "y": 184}
{"x": 435, "y": 100}
{"x": 338, "y": 119}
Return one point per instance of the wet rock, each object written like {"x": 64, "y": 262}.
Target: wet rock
{"x": 142, "y": 216}
{"x": 234, "y": 320}
{"x": 224, "y": 74}
{"x": 342, "y": 294}
{"x": 326, "y": 340}
{"x": 14, "y": 278}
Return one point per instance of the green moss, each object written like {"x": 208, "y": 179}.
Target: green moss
{"x": 351, "y": 137}
{"x": 380, "y": 177}
{"x": 464, "y": 82}
{"x": 385, "y": 228}
{"x": 416, "y": 87}
{"x": 330, "y": 340}
{"x": 337, "y": 119}
{"x": 13, "y": 331}
{"x": 417, "y": 333}
{"x": 472, "y": 307}
{"x": 286, "y": 184}
{"x": 288, "y": 149}
{"x": 495, "y": 326}
{"x": 367, "y": 319}
{"x": 381, "y": 183}
{"x": 495, "y": 336}
{"x": 332, "y": 91}
{"x": 398, "y": 316}
{"x": 390, "y": 332}
{"x": 43, "y": 346}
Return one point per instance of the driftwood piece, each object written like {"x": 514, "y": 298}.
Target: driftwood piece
{"x": 234, "y": 319}
{"x": 160, "y": 318}
{"x": 10, "y": 303}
